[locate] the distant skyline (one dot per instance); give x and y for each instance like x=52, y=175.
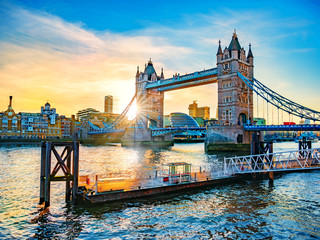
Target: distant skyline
x=74, y=53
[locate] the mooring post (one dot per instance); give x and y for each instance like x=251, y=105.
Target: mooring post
x=68, y=185
x=271, y=178
x=75, y=171
x=47, y=174
x=42, y=171
x=96, y=184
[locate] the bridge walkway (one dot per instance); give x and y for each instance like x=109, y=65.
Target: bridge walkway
x=308, y=159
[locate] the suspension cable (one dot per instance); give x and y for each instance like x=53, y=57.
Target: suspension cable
x=280, y=101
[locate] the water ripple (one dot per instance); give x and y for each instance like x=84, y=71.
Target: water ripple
x=249, y=210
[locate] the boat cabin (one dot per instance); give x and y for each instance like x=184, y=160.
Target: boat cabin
x=177, y=172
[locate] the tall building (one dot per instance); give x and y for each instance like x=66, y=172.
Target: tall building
x=199, y=112
x=150, y=101
x=108, y=104
x=84, y=114
x=235, y=99
x=34, y=125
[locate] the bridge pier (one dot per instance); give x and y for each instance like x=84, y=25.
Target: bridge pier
x=142, y=137
x=227, y=138
x=271, y=178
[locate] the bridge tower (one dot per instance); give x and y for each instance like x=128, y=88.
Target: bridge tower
x=235, y=99
x=149, y=101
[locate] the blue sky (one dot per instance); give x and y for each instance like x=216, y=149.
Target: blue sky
x=73, y=53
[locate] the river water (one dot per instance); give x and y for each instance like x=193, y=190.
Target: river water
x=250, y=210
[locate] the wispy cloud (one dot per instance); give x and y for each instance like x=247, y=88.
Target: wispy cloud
x=43, y=57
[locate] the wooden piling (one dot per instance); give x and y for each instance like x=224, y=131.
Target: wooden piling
x=47, y=174
x=271, y=178
x=67, y=163
x=68, y=184
x=42, y=172
x=75, y=172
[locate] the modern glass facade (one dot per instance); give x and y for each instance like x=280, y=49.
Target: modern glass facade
x=182, y=120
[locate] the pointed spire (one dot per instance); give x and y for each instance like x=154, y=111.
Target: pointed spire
x=219, y=48
x=10, y=102
x=234, y=44
x=250, y=55
x=162, y=75
x=150, y=62
x=235, y=34
x=138, y=73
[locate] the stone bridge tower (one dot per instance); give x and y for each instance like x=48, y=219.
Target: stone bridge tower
x=235, y=99
x=149, y=101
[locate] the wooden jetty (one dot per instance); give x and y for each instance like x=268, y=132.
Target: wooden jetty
x=178, y=176
x=234, y=170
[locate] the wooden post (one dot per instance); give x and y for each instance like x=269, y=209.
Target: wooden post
x=42, y=172
x=96, y=191
x=271, y=178
x=47, y=174
x=75, y=171
x=68, y=186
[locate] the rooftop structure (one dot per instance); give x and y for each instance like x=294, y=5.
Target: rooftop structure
x=182, y=120
x=82, y=114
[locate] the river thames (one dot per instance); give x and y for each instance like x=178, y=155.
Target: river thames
x=249, y=210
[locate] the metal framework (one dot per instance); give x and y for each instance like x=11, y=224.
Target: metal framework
x=305, y=127
x=112, y=127
x=273, y=162
x=279, y=101
x=187, y=80
x=67, y=164
x=121, y=116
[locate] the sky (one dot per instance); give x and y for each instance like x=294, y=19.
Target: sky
x=73, y=53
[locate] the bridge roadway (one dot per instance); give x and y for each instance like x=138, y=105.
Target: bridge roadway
x=252, y=128
x=162, y=131
x=185, y=81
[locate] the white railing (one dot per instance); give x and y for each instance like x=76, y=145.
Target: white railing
x=281, y=161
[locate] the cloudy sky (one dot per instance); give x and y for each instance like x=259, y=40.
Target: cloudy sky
x=73, y=53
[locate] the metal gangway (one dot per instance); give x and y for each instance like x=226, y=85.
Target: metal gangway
x=273, y=162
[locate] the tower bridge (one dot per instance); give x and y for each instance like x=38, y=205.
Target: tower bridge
x=236, y=85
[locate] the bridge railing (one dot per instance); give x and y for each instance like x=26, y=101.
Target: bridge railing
x=271, y=162
x=163, y=131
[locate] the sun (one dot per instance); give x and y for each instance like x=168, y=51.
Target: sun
x=132, y=111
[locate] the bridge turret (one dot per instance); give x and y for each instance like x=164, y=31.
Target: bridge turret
x=219, y=58
x=150, y=101
x=162, y=75
x=250, y=61
x=234, y=49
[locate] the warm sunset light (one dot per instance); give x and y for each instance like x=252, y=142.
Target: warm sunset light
x=65, y=60
x=159, y=119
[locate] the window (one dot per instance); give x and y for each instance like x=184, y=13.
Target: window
x=4, y=121
x=14, y=122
